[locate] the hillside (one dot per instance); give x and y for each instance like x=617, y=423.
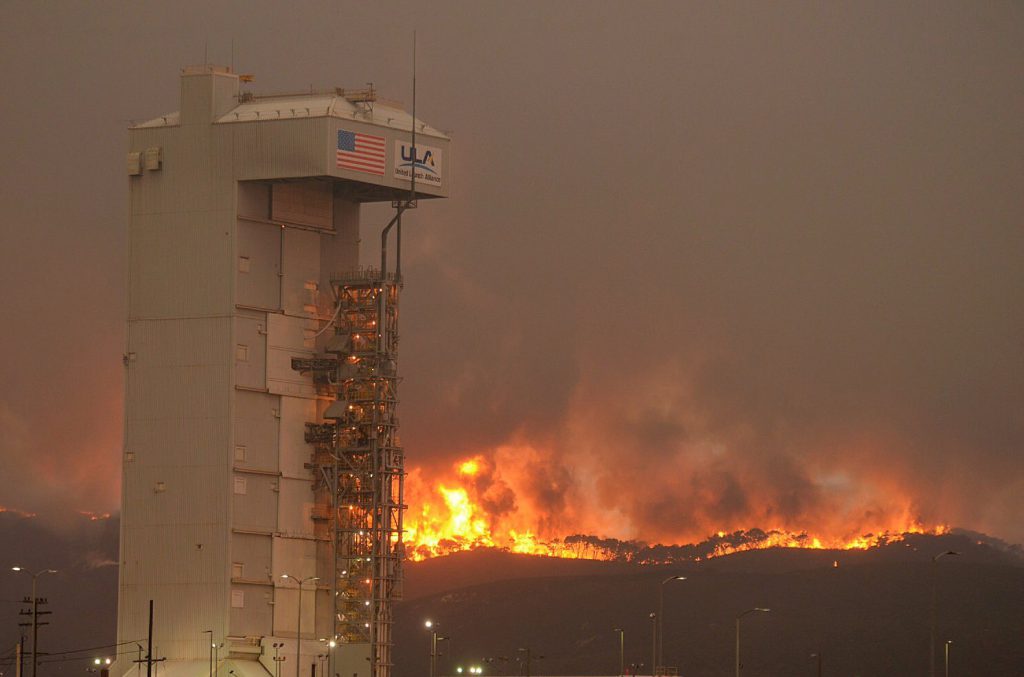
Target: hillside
x=868, y=615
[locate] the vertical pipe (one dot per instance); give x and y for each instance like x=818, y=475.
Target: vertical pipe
x=149, y=643
x=335, y=508
x=398, y=249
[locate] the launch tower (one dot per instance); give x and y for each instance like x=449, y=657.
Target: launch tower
x=262, y=487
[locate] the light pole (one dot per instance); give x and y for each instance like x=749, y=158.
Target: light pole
x=948, y=642
x=35, y=612
x=654, y=643
x=298, y=626
x=277, y=658
x=429, y=625
x=818, y=656
x=210, y=632
x=622, y=650
x=216, y=656
x=331, y=644
x=434, y=639
x=748, y=611
x=931, y=644
x=529, y=658
x=661, y=619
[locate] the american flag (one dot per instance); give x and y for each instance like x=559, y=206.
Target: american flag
x=361, y=152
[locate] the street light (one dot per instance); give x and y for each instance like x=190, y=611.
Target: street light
x=661, y=620
x=35, y=611
x=818, y=656
x=216, y=656
x=948, y=642
x=622, y=650
x=654, y=642
x=429, y=625
x=434, y=639
x=278, y=658
x=748, y=611
x=931, y=645
x=331, y=645
x=298, y=626
x=529, y=658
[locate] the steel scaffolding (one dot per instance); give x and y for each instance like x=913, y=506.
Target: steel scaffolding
x=357, y=462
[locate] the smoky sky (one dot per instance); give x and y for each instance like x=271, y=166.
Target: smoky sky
x=726, y=264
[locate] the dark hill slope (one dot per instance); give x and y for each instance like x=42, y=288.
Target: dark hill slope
x=868, y=616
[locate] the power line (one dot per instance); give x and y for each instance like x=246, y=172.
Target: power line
x=95, y=648
x=63, y=656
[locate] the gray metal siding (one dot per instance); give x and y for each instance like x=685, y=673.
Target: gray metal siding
x=258, y=268
x=255, y=618
x=256, y=509
x=301, y=270
x=277, y=149
x=254, y=553
x=168, y=249
x=256, y=430
x=251, y=349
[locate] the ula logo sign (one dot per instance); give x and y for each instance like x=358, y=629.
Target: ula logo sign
x=425, y=161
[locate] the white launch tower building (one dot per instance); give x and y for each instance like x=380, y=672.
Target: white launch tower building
x=262, y=492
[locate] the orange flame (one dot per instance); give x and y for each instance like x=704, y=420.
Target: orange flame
x=15, y=511
x=94, y=516
x=471, y=509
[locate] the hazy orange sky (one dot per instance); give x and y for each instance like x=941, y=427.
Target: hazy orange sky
x=705, y=265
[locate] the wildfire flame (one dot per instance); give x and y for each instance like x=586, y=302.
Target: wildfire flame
x=470, y=509
x=15, y=511
x=94, y=516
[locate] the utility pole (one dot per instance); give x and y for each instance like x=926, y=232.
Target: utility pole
x=35, y=612
x=149, y=660
x=20, y=651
